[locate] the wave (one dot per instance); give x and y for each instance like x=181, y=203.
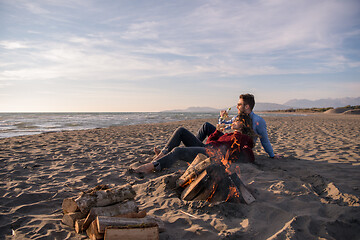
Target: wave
x=18, y=124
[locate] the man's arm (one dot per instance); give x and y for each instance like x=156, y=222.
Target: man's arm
x=264, y=139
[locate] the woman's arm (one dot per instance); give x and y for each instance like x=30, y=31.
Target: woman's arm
x=214, y=136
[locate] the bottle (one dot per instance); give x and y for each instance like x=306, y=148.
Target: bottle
x=226, y=114
x=227, y=126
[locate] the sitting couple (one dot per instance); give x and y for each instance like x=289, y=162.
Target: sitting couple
x=237, y=145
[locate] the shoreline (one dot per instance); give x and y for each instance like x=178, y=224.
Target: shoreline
x=34, y=129
x=316, y=182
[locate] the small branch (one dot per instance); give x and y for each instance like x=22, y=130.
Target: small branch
x=188, y=214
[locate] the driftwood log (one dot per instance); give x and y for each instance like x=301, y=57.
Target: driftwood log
x=146, y=231
x=192, y=172
x=112, y=210
x=104, y=222
x=99, y=198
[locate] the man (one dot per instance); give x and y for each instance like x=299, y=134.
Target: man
x=245, y=104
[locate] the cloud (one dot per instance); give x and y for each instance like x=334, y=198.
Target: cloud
x=35, y=8
x=11, y=45
x=122, y=45
x=144, y=30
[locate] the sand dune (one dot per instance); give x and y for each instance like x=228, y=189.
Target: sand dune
x=311, y=193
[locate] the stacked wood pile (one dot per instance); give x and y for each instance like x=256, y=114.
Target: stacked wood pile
x=107, y=213
x=207, y=179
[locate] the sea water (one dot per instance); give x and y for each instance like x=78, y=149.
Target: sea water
x=19, y=124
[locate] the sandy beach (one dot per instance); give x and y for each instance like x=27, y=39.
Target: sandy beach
x=311, y=193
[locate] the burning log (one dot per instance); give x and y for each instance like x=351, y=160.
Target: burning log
x=212, y=185
x=218, y=187
x=98, y=199
x=112, y=210
x=195, y=187
x=192, y=171
x=246, y=195
x=199, y=158
x=215, y=184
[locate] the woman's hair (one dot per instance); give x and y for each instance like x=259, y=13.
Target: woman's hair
x=246, y=128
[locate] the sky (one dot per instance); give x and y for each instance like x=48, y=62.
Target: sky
x=145, y=55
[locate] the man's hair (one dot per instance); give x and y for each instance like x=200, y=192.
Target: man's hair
x=248, y=100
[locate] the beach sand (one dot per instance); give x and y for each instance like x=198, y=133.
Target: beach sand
x=311, y=193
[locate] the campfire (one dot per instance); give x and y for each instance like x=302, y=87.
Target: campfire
x=210, y=179
x=110, y=213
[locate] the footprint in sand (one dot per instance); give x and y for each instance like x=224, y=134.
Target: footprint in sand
x=329, y=193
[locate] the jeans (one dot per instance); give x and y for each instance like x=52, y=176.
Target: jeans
x=206, y=130
x=193, y=146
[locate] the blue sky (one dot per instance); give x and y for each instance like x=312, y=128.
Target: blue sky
x=113, y=55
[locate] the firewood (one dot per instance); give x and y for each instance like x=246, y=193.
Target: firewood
x=192, y=171
x=69, y=205
x=70, y=218
x=214, y=187
x=103, y=198
x=246, y=195
x=104, y=222
x=93, y=233
x=147, y=231
x=140, y=214
x=195, y=187
x=79, y=225
x=199, y=158
x=112, y=210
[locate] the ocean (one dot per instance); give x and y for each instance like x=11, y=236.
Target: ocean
x=19, y=124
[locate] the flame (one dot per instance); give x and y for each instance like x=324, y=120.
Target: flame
x=188, y=182
x=214, y=187
x=233, y=193
x=218, y=156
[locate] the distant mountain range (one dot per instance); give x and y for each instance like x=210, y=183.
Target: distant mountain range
x=323, y=103
x=294, y=103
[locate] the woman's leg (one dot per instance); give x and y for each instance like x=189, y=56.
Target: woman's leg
x=178, y=153
x=181, y=135
x=206, y=130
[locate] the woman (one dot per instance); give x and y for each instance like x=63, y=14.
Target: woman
x=236, y=145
